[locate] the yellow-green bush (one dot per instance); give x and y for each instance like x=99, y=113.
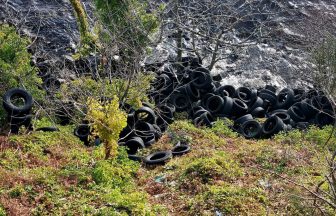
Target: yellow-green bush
x=84, y=87
x=15, y=68
x=108, y=121
x=207, y=169
x=230, y=199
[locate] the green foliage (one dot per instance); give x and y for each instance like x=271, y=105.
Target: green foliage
x=320, y=136
x=116, y=173
x=15, y=67
x=207, y=169
x=56, y=175
x=87, y=39
x=221, y=127
x=81, y=88
x=108, y=122
x=2, y=211
x=231, y=200
x=293, y=137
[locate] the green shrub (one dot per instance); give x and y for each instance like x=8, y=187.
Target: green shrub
x=208, y=169
x=319, y=136
x=221, y=127
x=2, y=211
x=15, y=67
x=117, y=172
x=231, y=200
x=84, y=87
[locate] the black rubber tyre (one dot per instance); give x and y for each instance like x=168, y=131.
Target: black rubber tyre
x=192, y=112
x=135, y=158
x=246, y=95
x=145, y=114
x=19, y=93
x=157, y=158
x=243, y=119
x=166, y=113
x=149, y=139
x=325, y=117
x=47, y=129
x=228, y=105
x=325, y=102
x=299, y=95
x=82, y=131
x=193, y=92
x=239, y=108
x=285, y=117
x=258, y=102
x=258, y=112
x=201, y=78
x=222, y=92
x=302, y=125
x=158, y=132
x=162, y=82
x=134, y=144
x=251, y=129
x=229, y=89
x=180, y=101
x=271, y=88
x=21, y=120
x=238, y=122
x=200, y=110
x=268, y=97
x=205, y=119
x=163, y=124
x=310, y=107
x=296, y=113
x=180, y=150
x=142, y=128
x=205, y=97
x=272, y=125
x=285, y=98
x=215, y=104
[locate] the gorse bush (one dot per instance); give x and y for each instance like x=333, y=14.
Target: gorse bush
x=108, y=122
x=15, y=68
x=84, y=87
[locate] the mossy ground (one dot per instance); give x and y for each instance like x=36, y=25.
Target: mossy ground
x=54, y=174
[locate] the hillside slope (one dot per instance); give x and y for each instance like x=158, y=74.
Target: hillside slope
x=223, y=174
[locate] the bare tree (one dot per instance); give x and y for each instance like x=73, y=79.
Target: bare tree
x=212, y=26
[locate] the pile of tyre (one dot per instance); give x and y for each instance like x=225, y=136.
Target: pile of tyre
x=18, y=104
x=144, y=127
x=190, y=88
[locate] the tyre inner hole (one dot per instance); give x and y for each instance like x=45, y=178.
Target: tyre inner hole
x=158, y=156
x=17, y=101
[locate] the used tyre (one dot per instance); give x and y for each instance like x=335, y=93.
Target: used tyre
x=47, y=129
x=145, y=114
x=285, y=98
x=215, y=104
x=239, y=108
x=296, y=113
x=134, y=144
x=180, y=150
x=17, y=95
x=156, y=158
x=251, y=129
x=272, y=125
x=258, y=112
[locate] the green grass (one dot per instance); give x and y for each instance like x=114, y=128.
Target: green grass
x=53, y=173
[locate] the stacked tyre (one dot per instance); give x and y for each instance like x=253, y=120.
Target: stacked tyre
x=18, y=104
x=190, y=88
x=144, y=127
